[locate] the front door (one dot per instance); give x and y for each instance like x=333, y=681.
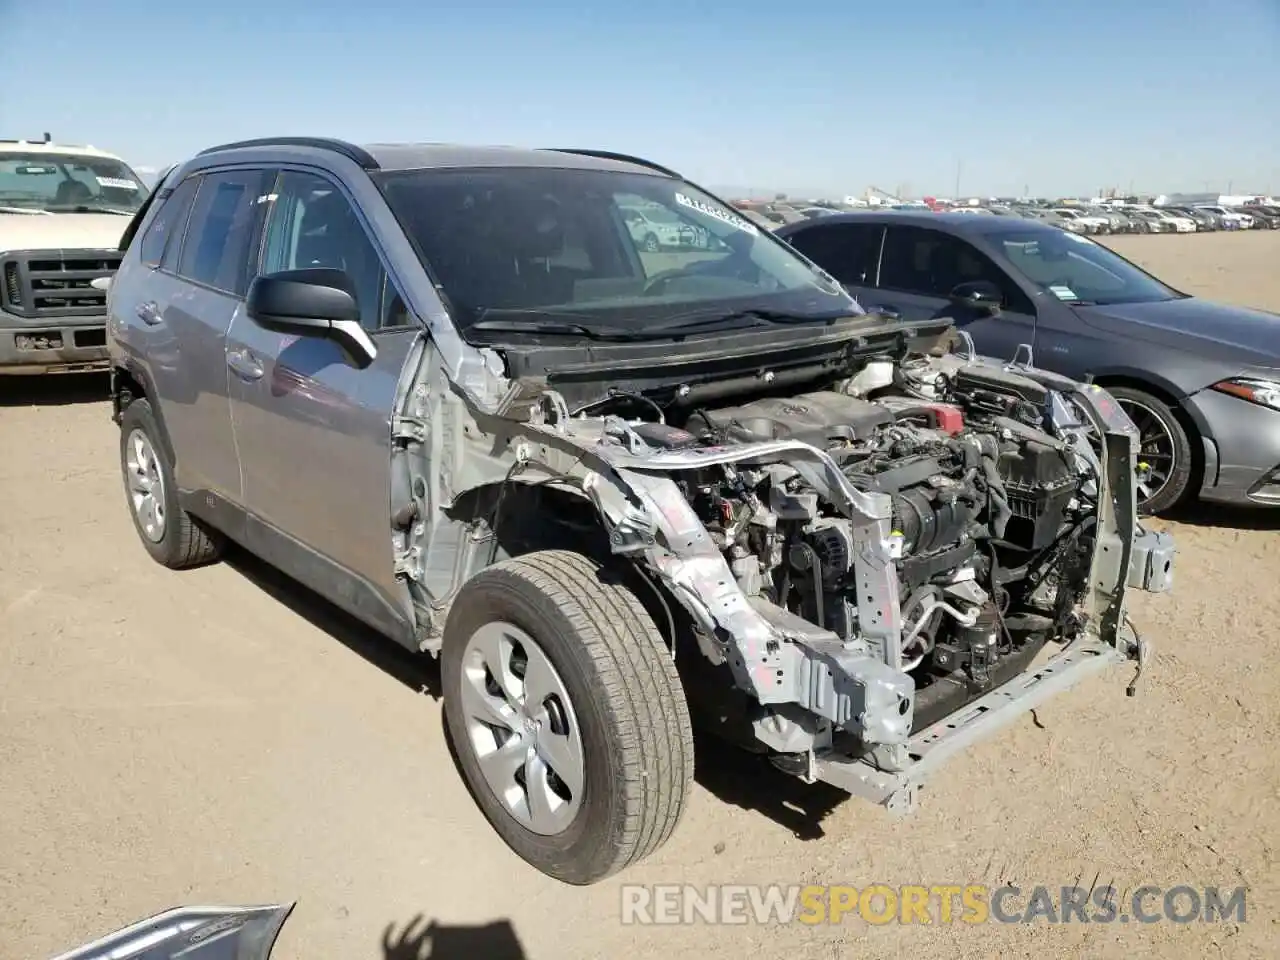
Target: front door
x=313, y=430
x=919, y=267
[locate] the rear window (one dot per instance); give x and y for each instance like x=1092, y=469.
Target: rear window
x=216, y=249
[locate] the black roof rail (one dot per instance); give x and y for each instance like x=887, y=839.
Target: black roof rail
x=349, y=150
x=620, y=157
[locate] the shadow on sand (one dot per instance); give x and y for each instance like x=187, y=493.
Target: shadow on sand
x=417, y=671
x=54, y=390
x=1227, y=517
x=419, y=940
x=727, y=772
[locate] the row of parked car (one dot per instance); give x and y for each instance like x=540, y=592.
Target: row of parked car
x=1085, y=220
x=1154, y=219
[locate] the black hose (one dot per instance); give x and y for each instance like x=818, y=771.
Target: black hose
x=998, y=502
x=497, y=508
x=614, y=394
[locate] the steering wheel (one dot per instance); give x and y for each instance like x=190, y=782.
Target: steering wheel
x=658, y=282
x=735, y=267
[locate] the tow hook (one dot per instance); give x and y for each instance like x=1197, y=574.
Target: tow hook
x=1140, y=651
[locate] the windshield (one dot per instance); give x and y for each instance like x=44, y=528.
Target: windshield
x=1078, y=270
x=599, y=249
x=68, y=183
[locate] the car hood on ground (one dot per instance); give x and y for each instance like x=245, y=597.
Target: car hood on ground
x=1211, y=331
x=66, y=231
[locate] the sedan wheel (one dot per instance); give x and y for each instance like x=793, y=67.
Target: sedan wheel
x=1164, y=450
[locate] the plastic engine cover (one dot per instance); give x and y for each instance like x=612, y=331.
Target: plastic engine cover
x=818, y=418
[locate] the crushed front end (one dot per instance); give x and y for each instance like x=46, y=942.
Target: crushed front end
x=895, y=565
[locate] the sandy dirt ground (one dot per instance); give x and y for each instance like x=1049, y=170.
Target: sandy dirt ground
x=223, y=736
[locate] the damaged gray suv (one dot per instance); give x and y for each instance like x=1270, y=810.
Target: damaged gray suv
x=620, y=492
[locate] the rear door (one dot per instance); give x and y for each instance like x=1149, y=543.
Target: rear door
x=312, y=429
x=195, y=252
x=920, y=266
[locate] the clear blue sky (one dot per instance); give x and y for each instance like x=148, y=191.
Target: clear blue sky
x=1061, y=97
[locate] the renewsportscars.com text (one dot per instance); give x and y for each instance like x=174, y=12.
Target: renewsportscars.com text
x=928, y=904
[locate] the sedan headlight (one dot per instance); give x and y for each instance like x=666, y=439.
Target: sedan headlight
x=1265, y=393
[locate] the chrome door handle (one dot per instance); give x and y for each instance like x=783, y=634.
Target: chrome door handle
x=149, y=313
x=245, y=365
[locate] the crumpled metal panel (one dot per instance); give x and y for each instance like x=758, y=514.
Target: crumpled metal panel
x=192, y=933
x=1151, y=567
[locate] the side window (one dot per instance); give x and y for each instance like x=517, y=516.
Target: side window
x=931, y=264
x=169, y=222
x=312, y=224
x=1064, y=273
x=216, y=249
x=395, y=312
x=847, y=251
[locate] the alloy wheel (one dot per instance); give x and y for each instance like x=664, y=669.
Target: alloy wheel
x=1155, y=449
x=146, y=485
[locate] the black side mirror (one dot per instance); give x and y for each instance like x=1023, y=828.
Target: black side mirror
x=317, y=302
x=978, y=295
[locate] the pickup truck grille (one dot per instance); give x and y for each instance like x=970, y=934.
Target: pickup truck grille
x=56, y=283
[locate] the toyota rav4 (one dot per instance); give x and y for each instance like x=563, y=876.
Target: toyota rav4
x=618, y=491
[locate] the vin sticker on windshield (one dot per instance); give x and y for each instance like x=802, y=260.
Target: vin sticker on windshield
x=1063, y=293
x=116, y=183
x=724, y=216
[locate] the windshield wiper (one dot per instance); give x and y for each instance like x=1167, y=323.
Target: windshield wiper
x=86, y=208
x=554, y=328
x=29, y=210
x=546, y=322
x=741, y=319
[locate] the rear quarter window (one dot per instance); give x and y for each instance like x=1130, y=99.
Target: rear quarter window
x=170, y=220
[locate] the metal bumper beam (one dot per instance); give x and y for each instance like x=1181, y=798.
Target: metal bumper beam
x=932, y=747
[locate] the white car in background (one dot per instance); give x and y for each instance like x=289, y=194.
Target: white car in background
x=1172, y=222
x=1180, y=223
x=1091, y=224
x=652, y=233
x=1233, y=219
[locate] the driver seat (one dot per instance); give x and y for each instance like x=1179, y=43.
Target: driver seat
x=71, y=192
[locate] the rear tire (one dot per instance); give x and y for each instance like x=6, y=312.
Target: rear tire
x=1163, y=436
x=173, y=537
x=625, y=714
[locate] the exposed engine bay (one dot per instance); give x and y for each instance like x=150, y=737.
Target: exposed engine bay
x=868, y=561
x=902, y=543
x=991, y=522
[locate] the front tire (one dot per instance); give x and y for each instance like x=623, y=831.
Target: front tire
x=173, y=537
x=569, y=722
x=1164, y=446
